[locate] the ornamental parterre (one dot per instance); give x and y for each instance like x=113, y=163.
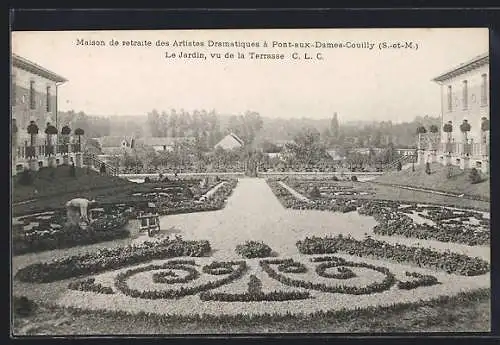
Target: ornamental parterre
x=444, y=224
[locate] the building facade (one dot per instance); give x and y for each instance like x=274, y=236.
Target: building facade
x=33, y=98
x=465, y=113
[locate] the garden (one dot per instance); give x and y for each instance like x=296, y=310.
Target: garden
x=251, y=266
x=47, y=228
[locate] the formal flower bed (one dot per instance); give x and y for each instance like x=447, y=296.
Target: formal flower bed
x=327, y=189
x=395, y=221
x=253, y=249
x=53, y=233
x=110, y=259
x=215, y=202
x=422, y=257
x=387, y=282
x=254, y=294
x=450, y=225
x=185, y=265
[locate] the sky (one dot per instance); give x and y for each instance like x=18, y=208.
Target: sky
x=357, y=83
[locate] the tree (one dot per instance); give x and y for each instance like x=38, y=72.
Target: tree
x=335, y=128
x=433, y=129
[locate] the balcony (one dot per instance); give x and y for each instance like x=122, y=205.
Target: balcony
x=467, y=149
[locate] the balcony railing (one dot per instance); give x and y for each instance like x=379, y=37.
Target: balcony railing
x=49, y=150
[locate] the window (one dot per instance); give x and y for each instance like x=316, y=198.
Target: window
x=32, y=95
x=450, y=102
x=465, y=95
x=484, y=89
x=48, y=98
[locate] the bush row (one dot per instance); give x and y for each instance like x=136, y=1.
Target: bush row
x=110, y=259
x=423, y=257
x=40, y=238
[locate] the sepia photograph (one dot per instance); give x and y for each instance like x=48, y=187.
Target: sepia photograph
x=250, y=181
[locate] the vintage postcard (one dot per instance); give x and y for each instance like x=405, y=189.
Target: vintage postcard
x=250, y=181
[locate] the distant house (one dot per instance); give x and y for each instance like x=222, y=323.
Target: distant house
x=230, y=142
x=115, y=145
x=111, y=145
x=334, y=154
x=163, y=143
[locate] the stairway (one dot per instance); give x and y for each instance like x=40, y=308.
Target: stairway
x=95, y=163
x=406, y=162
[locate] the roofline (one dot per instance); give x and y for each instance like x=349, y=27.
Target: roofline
x=237, y=138
x=27, y=65
x=474, y=63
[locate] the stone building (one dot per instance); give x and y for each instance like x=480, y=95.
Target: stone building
x=465, y=99
x=33, y=98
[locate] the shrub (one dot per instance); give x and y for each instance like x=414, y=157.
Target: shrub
x=253, y=249
x=23, y=306
x=354, y=178
x=428, y=168
x=314, y=192
x=109, y=259
x=475, y=176
x=147, y=179
x=449, y=262
x=26, y=178
x=335, y=178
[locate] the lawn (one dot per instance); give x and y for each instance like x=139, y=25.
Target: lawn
x=471, y=314
x=379, y=191
x=456, y=182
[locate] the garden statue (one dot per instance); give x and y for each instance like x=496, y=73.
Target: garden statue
x=77, y=210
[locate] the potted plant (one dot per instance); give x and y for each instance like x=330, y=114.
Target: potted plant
x=465, y=129
x=485, y=128
x=31, y=150
x=420, y=130
x=485, y=124
x=79, y=132
x=65, y=133
x=448, y=129
x=434, y=137
x=50, y=131
x=78, y=156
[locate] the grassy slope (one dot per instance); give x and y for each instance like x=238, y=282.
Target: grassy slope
x=55, y=181
x=459, y=183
